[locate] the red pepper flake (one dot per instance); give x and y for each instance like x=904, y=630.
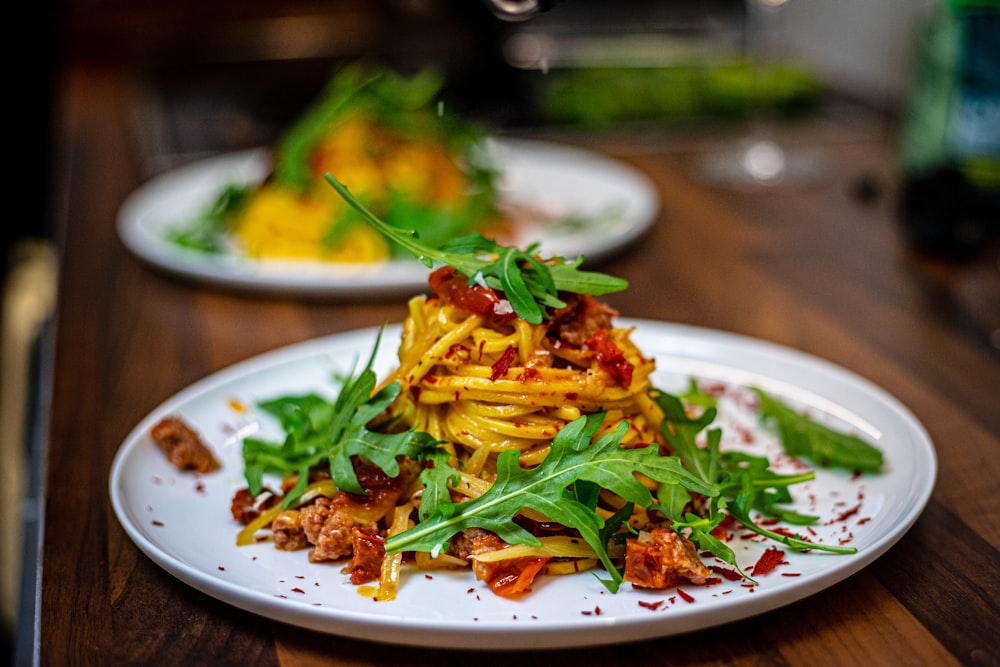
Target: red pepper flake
x=791, y=574
x=685, y=596
x=651, y=605
x=502, y=364
x=844, y=516
x=157, y=523
x=864, y=520
x=727, y=573
x=768, y=560
x=222, y=569
x=298, y=590
x=427, y=576
x=471, y=590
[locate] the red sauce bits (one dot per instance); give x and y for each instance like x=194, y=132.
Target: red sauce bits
x=183, y=447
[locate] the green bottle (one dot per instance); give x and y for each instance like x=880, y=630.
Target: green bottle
x=950, y=137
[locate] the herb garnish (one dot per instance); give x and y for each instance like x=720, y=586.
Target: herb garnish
x=317, y=430
x=573, y=457
x=817, y=442
x=530, y=284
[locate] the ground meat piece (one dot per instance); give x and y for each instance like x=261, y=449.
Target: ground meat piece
x=579, y=319
x=328, y=528
x=661, y=558
x=184, y=447
x=369, y=551
x=246, y=507
x=474, y=541
x=289, y=534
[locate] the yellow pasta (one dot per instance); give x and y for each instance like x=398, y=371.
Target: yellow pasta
x=492, y=388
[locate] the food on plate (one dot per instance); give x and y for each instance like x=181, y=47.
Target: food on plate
x=184, y=447
x=408, y=159
x=520, y=436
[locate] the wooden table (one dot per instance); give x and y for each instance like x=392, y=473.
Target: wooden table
x=819, y=268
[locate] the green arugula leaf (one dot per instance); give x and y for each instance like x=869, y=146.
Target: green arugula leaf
x=318, y=430
x=824, y=446
x=207, y=232
x=573, y=456
x=437, y=476
x=740, y=508
x=528, y=283
x=746, y=483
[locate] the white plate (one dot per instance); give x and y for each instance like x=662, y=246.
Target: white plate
x=182, y=521
x=560, y=180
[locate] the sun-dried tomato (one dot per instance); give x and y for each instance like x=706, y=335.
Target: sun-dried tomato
x=610, y=357
x=452, y=287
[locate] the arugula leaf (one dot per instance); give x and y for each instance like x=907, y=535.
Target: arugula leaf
x=530, y=284
x=437, y=476
x=824, y=446
x=573, y=456
x=318, y=430
x=207, y=232
x=740, y=508
x=745, y=483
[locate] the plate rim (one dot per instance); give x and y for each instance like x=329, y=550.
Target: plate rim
x=485, y=635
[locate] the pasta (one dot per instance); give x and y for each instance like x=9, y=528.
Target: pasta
x=487, y=389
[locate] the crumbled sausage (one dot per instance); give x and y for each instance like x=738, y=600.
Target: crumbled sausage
x=328, y=528
x=289, y=534
x=579, y=319
x=184, y=447
x=246, y=507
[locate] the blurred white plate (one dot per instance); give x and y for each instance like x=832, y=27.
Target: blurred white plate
x=182, y=521
x=611, y=204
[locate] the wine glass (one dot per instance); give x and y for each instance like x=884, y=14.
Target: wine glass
x=760, y=159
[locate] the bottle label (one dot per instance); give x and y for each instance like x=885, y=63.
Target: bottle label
x=974, y=129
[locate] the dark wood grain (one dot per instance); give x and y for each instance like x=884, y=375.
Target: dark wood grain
x=818, y=268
